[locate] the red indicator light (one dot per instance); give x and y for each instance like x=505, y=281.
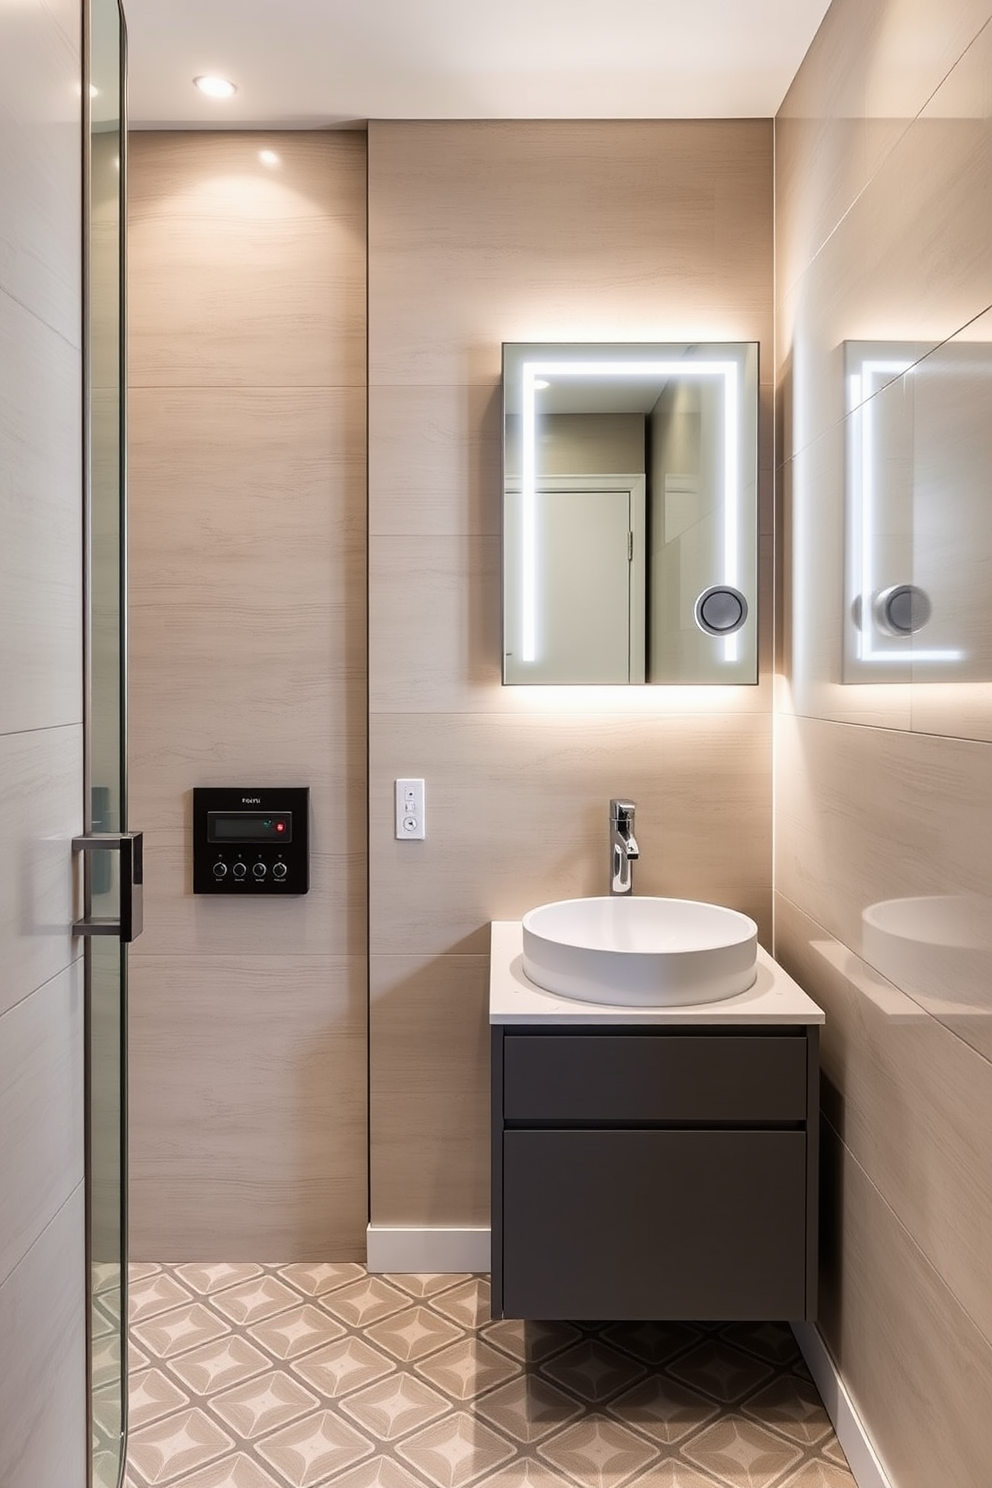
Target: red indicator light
x=280, y=826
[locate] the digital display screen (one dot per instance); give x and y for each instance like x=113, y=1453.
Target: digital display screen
x=249, y=826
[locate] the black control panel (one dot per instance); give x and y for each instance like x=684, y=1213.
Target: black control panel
x=250, y=840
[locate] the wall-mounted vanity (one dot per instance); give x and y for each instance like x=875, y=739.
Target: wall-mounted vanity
x=630, y=513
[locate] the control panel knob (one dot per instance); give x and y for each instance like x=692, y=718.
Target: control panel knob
x=279, y=871
x=259, y=870
x=239, y=870
x=220, y=870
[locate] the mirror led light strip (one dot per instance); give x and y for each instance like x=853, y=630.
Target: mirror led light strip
x=861, y=389
x=533, y=377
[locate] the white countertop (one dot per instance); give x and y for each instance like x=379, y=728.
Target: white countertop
x=513, y=998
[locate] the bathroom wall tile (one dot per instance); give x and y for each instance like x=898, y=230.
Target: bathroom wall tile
x=868, y=819
x=245, y=275
x=41, y=1110
x=248, y=1107
x=451, y=660
x=40, y=512
x=917, y=1368
x=429, y=1115
x=42, y=774
x=328, y=921
x=914, y=1104
x=39, y=162
x=487, y=232
x=43, y=1356
x=435, y=465
x=517, y=815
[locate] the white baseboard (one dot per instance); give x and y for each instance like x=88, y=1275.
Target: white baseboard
x=861, y=1455
x=413, y=1249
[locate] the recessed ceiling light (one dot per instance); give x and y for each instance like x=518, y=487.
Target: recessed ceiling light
x=215, y=87
x=268, y=157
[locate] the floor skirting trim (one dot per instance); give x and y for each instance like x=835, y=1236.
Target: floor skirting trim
x=418, y=1249
x=861, y=1455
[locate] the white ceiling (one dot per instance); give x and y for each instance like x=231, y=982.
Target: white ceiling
x=308, y=63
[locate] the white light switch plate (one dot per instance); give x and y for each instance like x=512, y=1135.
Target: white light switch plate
x=410, y=822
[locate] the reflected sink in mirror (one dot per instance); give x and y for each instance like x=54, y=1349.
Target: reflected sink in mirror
x=936, y=947
x=640, y=952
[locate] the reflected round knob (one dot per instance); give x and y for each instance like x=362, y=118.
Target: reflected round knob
x=220, y=870
x=239, y=870
x=259, y=870
x=279, y=871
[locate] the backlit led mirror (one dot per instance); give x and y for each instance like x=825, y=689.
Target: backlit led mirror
x=918, y=519
x=630, y=513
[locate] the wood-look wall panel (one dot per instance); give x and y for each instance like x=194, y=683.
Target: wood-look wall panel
x=900, y=1084
x=41, y=517
x=329, y=921
x=41, y=1110
x=248, y=667
x=247, y=1107
x=503, y=231
x=250, y=275
x=518, y=814
x=42, y=775
x=436, y=463
x=429, y=1115
x=39, y=164
x=43, y=1437
x=918, y=1370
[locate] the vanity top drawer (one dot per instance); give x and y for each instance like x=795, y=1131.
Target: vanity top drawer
x=586, y=1078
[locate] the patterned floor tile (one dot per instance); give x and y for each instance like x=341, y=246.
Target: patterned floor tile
x=176, y=1445
x=312, y=1449
x=427, y=1283
x=721, y=1371
x=599, y=1453
x=358, y=1381
x=295, y=1332
x=467, y=1368
x=740, y=1452
x=413, y=1333
x=593, y=1371
x=528, y=1409
x=263, y=1404
x=395, y=1406
x=455, y=1450
x=663, y=1409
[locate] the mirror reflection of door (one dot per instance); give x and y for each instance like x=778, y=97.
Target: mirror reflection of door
x=587, y=579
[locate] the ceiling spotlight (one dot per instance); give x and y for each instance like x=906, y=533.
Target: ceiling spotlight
x=268, y=157
x=215, y=87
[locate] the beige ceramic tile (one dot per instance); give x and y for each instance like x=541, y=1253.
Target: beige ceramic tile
x=884, y=838
x=915, y=1104
x=40, y=146
x=435, y=459
x=248, y=1107
x=242, y=275
x=485, y=232
x=517, y=812
x=40, y=512
x=429, y=1090
x=915, y=1365
x=43, y=1356
x=43, y=789
x=41, y=1110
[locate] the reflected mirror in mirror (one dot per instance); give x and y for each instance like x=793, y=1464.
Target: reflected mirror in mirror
x=918, y=522
x=630, y=513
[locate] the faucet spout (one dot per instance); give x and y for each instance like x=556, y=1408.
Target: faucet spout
x=623, y=847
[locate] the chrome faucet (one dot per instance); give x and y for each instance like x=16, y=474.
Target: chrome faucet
x=623, y=847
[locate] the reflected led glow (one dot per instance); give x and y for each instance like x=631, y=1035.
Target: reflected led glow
x=535, y=378
x=215, y=87
x=268, y=157
x=871, y=376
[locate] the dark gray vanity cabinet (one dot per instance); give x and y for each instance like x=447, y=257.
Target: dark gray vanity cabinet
x=654, y=1172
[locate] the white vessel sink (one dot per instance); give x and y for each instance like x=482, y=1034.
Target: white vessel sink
x=640, y=952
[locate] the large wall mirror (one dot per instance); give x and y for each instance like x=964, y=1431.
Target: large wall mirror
x=630, y=513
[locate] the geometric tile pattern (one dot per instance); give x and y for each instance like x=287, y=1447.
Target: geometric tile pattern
x=251, y=1376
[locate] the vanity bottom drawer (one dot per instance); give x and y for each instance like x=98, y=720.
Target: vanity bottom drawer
x=654, y=1224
